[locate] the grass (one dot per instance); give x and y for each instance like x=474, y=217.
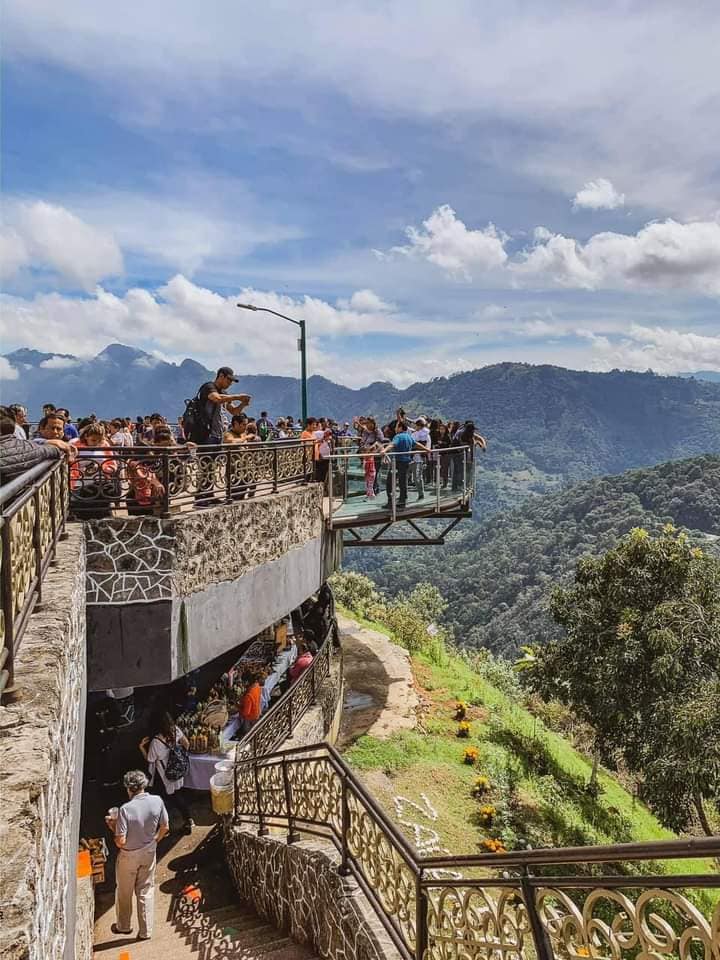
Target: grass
x=538, y=780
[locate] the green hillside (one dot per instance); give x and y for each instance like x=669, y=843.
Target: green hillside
x=537, y=782
x=495, y=575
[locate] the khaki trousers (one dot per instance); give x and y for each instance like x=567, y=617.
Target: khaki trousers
x=135, y=873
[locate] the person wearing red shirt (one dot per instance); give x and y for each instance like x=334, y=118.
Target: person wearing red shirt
x=249, y=708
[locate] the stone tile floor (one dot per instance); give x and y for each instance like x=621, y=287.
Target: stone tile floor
x=205, y=923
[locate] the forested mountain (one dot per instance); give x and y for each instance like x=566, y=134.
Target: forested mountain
x=545, y=425
x=496, y=574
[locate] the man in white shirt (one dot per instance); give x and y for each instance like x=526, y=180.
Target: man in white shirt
x=421, y=435
x=138, y=826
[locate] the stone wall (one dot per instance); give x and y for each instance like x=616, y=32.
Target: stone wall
x=297, y=887
x=41, y=769
x=85, y=919
x=144, y=559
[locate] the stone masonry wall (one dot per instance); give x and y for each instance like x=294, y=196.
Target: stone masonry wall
x=85, y=914
x=41, y=769
x=298, y=888
x=144, y=559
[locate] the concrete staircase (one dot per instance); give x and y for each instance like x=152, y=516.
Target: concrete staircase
x=197, y=915
x=234, y=931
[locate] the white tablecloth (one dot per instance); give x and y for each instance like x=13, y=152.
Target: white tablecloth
x=202, y=765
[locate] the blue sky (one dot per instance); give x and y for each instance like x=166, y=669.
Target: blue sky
x=431, y=186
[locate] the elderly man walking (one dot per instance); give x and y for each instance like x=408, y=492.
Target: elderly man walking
x=138, y=826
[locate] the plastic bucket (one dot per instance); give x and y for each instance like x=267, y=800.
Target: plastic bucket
x=221, y=795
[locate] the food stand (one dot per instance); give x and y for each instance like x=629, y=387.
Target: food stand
x=213, y=724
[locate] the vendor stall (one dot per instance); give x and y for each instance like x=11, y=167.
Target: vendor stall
x=202, y=765
x=210, y=736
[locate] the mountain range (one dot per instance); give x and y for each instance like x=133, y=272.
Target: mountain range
x=545, y=425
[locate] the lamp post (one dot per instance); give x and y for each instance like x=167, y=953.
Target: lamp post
x=302, y=346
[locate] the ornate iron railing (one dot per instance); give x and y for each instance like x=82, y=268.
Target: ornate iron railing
x=34, y=510
x=278, y=723
x=154, y=480
x=510, y=906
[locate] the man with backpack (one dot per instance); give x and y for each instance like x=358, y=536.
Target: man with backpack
x=203, y=424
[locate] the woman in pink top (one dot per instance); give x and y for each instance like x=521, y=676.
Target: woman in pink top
x=305, y=658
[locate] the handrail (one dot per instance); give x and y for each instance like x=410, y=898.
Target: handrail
x=441, y=461
x=277, y=723
x=432, y=908
x=34, y=509
x=146, y=480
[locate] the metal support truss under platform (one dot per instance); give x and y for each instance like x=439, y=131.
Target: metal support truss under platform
x=360, y=535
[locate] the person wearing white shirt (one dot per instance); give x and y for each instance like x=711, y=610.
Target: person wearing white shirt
x=421, y=435
x=157, y=750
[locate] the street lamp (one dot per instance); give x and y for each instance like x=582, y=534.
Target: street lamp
x=302, y=346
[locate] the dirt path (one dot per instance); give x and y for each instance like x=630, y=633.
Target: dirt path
x=379, y=694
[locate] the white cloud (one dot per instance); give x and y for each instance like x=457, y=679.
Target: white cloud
x=365, y=301
x=656, y=348
x=59, y=363
x=187, y=222
x=445, y=241
x=13, y=253
x=662, y=255
x=182, y=319
x=647, y=112
x=47, y=236
x=7, y=371
x=666, y=255
x=598, y=194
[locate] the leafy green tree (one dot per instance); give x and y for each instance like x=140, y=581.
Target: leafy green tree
x=639, y=659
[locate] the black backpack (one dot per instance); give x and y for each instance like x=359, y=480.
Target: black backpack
x=195, y=422
x=177, y=763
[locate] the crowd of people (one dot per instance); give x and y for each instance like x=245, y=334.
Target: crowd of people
x=103, y=471
x=139, y=824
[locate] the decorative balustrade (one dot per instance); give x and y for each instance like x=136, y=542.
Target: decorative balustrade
x=278, y=723
x=529, y=905
x=160, y=480
x=34, y=510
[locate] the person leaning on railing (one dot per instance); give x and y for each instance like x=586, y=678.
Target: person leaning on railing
x=94, y=475
x=465, y=436
x=17, y=456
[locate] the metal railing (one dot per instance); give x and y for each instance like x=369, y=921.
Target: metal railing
x=161, y=480
x=360, y=483
x=504, y=906
x=278, y=723
x=34, y=510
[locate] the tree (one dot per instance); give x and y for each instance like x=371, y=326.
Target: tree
x=639, y=659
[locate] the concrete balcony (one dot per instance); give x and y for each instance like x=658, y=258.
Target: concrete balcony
x=168, y=594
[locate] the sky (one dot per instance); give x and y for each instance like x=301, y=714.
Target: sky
x=431, y=186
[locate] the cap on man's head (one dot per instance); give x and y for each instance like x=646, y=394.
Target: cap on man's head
x=420, y=422
x=227, y=372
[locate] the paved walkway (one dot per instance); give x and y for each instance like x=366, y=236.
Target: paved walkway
x=204, y=923
x=380, y=697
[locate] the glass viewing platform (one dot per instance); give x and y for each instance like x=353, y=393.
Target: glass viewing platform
x=367, y=490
